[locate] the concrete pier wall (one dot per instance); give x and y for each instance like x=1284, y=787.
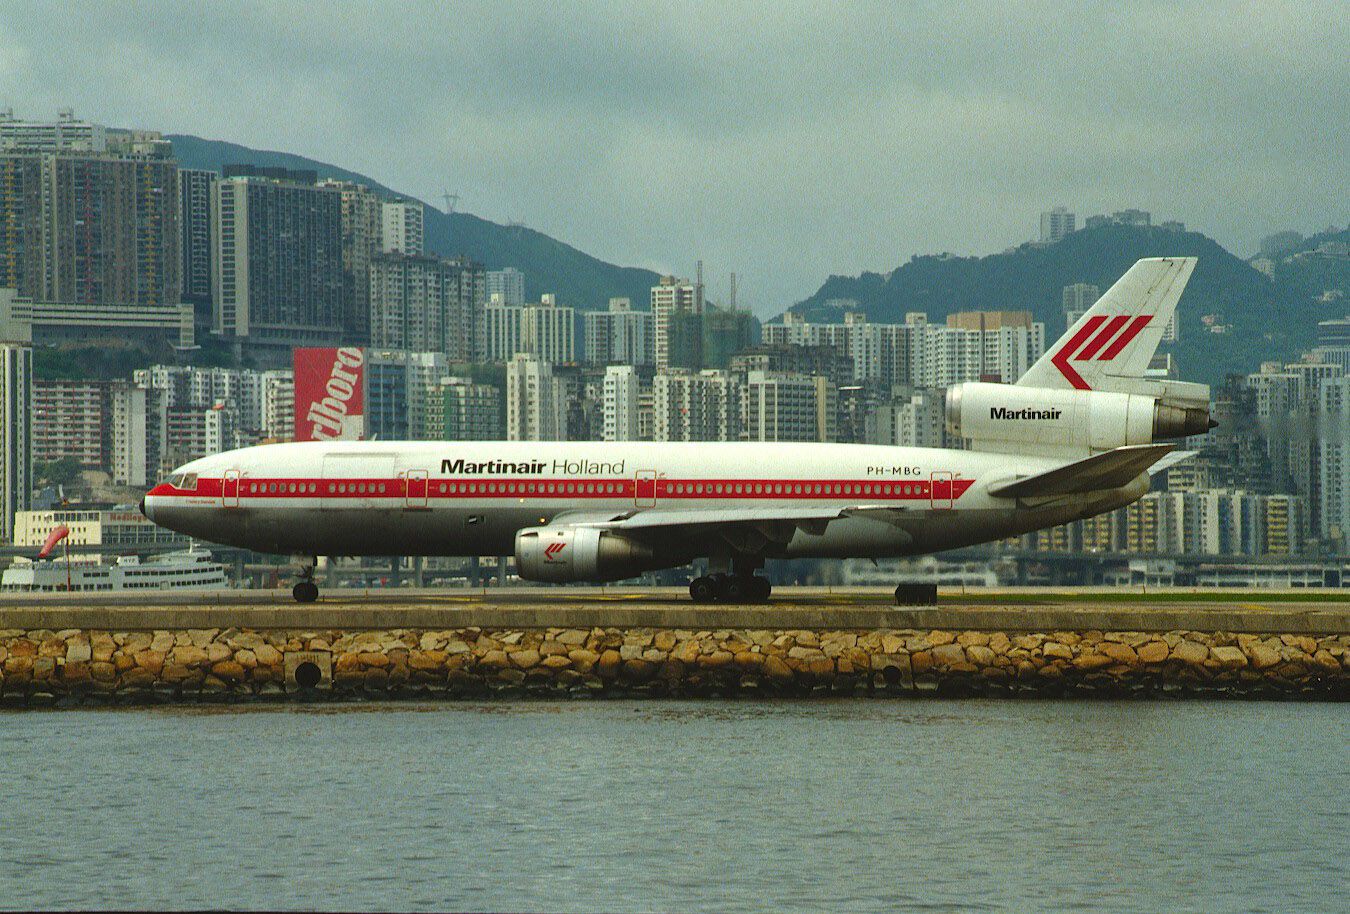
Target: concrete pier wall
x=78, y=665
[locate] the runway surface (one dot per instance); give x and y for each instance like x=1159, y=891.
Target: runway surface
x=791, y=607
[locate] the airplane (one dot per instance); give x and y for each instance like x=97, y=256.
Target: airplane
x=1076, y=436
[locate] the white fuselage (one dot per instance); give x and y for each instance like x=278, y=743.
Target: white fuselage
x=471, y=498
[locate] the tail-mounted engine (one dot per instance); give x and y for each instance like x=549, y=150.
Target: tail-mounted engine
x=565, y=554
x=1039, y=420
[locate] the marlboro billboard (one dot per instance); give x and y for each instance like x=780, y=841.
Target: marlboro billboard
x=329, y=394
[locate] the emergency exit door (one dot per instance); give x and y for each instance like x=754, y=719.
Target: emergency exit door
x=940, y=490
x=644, y=489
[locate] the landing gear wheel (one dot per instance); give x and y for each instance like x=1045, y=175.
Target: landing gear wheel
x=760, y=589
x=703, y=589
x=737, y=589
x=305, y=592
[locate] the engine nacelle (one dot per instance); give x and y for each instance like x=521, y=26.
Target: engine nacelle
x=1041, y=420
x=566, y=554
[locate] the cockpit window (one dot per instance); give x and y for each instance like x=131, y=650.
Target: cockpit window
x=185, y=481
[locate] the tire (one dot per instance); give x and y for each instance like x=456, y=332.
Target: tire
x=761, y=590
x=737, y=589
x=703, y=589
x=305, y=592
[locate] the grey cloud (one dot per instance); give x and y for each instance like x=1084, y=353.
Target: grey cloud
x=783, y=141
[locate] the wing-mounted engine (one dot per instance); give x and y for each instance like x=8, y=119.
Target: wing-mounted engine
x=1049, y=421
x=567, y=554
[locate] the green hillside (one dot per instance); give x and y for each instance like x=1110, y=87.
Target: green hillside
x=1269, y=319
x=578, y=279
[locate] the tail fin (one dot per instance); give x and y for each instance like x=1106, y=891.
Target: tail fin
x=1110, y=346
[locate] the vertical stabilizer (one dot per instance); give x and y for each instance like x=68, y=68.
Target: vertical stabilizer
x=1110, y=347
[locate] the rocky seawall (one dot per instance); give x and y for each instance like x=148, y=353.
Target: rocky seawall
x=41, y=668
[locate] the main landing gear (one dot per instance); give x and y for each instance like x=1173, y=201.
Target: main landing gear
x=305, y=590
x=730, y=588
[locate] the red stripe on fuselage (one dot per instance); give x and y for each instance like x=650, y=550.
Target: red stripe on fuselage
x=666, y=488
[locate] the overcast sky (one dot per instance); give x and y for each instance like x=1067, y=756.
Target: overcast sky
x=785, y=142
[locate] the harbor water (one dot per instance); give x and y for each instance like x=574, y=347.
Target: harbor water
x=825, y=805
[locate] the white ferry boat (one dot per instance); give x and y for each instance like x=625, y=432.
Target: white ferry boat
x=189, y=569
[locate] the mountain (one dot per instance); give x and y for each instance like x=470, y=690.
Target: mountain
x=1267, y=319
x=549, y=265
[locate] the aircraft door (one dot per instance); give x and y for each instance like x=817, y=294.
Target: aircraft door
x=229, y=489
x=940, y=490
x=644, y=489
x=414, y=489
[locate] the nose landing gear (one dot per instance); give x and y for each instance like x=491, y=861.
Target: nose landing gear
x=305, y=590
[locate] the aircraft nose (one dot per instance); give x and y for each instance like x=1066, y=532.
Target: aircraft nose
x=143, y=506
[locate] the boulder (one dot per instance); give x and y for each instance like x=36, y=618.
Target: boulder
x=573, y=636
x=1057, y=650
x=555, y=662
x=1120, y=653
x=948, y=653
x=776, y=669
x=608, y=664
x=1191, y=652
x=583, y=659
x=496, y=659
x=1229, y=656
x=151, y=660
x=526, y=659
x=267, y=655
x=246, y=658
x=664, y=641
x=1090, y=660
x=1153, y=652
x=938, y=638
x=1262, y=656
x=373, y=659
x=980, y=655
x=893, y=644
x=162, y=641
x=966, y=639
x=227, y=670
x=79, y=651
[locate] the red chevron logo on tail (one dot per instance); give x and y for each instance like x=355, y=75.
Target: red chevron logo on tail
x=1091, y=342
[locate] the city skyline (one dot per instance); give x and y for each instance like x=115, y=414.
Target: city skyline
x=782, y=147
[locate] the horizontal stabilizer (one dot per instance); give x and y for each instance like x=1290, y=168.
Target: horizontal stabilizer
x=1109, y=470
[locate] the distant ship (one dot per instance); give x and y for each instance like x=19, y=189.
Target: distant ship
x=189, y=569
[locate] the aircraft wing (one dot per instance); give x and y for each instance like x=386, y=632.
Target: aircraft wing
x=745, y=528
x=1108, y=470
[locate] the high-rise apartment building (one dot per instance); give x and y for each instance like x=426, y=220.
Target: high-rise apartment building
x=194, y=225
x=507, y=286
x=696, y=406
x=788, y=407
x=672, y=297
x=362, y=228
x=424, y=304
x=1057, y=223
x=65, y=134
x=461, y=410
x=1077, y=299
x=277, y=274
x=619, y=403
x=546, y=331
x=402, y=228
x=73, y=419
x=90, y=228
x=726, y=332
x=618, y=335
x=534, y=410
x=1333, y=459
x=16, y=436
